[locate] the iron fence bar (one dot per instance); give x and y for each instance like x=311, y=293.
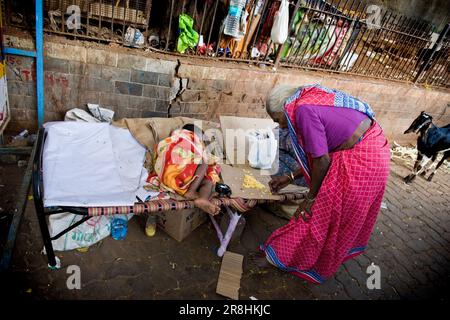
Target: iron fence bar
x=420, y=56
x=208, y=58
x=80, y=36
x=212, y=24
x=426, y=71
x=62, y=15
x=442, y=35
x=320, y=29
x=368, y=43
x=88, y=17
x=390, y=37
x=135, y=18
x=249, y=24
x=296, y=36
x=170, y=24
x=417, y=26
x=291, y=24
x=433, y=70
x=354, y=20
x=205, y=6
x=194, y=14
x=258, y=28
x=333, y=16
x=310, y=25
x=113, y=7
x=219, y=36
x=99, y=18
x=148, y=10
x=404, y=40
x=344, y=23
x=395, y=38
x=327, y=31
x=123, y=23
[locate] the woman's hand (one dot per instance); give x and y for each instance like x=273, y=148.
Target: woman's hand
x=279, y=182
x=304, y=210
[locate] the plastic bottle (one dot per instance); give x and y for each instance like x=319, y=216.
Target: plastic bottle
x=119, y=228
x=233, y=18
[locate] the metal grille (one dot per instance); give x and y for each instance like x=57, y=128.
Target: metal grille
x=344, y=36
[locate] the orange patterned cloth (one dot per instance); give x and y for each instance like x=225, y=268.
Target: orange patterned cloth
x=176, y=161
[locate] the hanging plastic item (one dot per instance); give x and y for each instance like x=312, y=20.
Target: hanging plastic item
x=280, y=26
x=188, y=37
x=134, y=38
x=234, y=26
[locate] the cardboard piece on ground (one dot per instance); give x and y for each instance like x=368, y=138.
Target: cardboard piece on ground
x=233, y=176
x=180, y=223
x=230, y=275
x=234, y=130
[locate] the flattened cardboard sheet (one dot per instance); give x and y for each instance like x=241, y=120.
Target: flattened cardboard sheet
x=230, y=275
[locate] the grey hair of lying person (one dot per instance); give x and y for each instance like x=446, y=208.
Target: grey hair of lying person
x=277, y=97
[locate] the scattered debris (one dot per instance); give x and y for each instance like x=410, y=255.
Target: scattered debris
x=409, y=155
x=22, y=163
x=230, y=275
x=251, y=183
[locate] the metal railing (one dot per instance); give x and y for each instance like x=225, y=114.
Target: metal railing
x=345, y=36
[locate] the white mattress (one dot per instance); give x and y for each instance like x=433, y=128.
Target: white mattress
x=92, y=164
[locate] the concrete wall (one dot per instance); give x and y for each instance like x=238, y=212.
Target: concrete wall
x=142, y=84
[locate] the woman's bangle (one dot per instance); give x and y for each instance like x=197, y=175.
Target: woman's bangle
x=290, y=176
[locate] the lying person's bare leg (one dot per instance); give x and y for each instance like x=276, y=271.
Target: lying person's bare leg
x=203, y=202
x=192, y=193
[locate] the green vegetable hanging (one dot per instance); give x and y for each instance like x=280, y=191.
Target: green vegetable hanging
x=188, y=37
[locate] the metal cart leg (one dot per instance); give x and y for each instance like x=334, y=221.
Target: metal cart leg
x=38, y=200
x=45, y=235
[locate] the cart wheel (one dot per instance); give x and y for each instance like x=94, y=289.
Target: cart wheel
x=57, y=266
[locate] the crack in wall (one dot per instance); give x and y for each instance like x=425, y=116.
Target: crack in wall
x=177, y=88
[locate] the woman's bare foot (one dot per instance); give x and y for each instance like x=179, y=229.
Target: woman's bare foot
x=207, y=206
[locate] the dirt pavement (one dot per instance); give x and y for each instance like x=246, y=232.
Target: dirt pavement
x=410, y=244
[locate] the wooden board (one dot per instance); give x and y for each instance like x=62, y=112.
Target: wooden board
x=233, y=176
x=230, y=275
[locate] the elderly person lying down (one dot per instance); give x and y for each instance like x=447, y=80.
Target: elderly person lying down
x=183, y=166
x=344, y=158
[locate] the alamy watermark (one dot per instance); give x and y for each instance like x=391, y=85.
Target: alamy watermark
x=373, y=19
x=74, y=279
x=374, y=280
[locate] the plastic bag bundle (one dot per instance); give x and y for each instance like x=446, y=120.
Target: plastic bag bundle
x=280, y=26
x=188, y=37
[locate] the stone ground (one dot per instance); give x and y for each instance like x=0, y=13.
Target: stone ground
x=410, y=244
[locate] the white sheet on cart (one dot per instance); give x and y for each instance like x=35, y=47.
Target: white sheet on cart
x=91, y=164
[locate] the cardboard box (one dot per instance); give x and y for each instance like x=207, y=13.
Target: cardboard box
x=179, y=224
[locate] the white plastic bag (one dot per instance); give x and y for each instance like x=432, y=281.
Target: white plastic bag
x=263, y=148
x=84, y=235
x=280, y=26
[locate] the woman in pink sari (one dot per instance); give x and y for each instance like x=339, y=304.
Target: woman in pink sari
x=344, y=156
